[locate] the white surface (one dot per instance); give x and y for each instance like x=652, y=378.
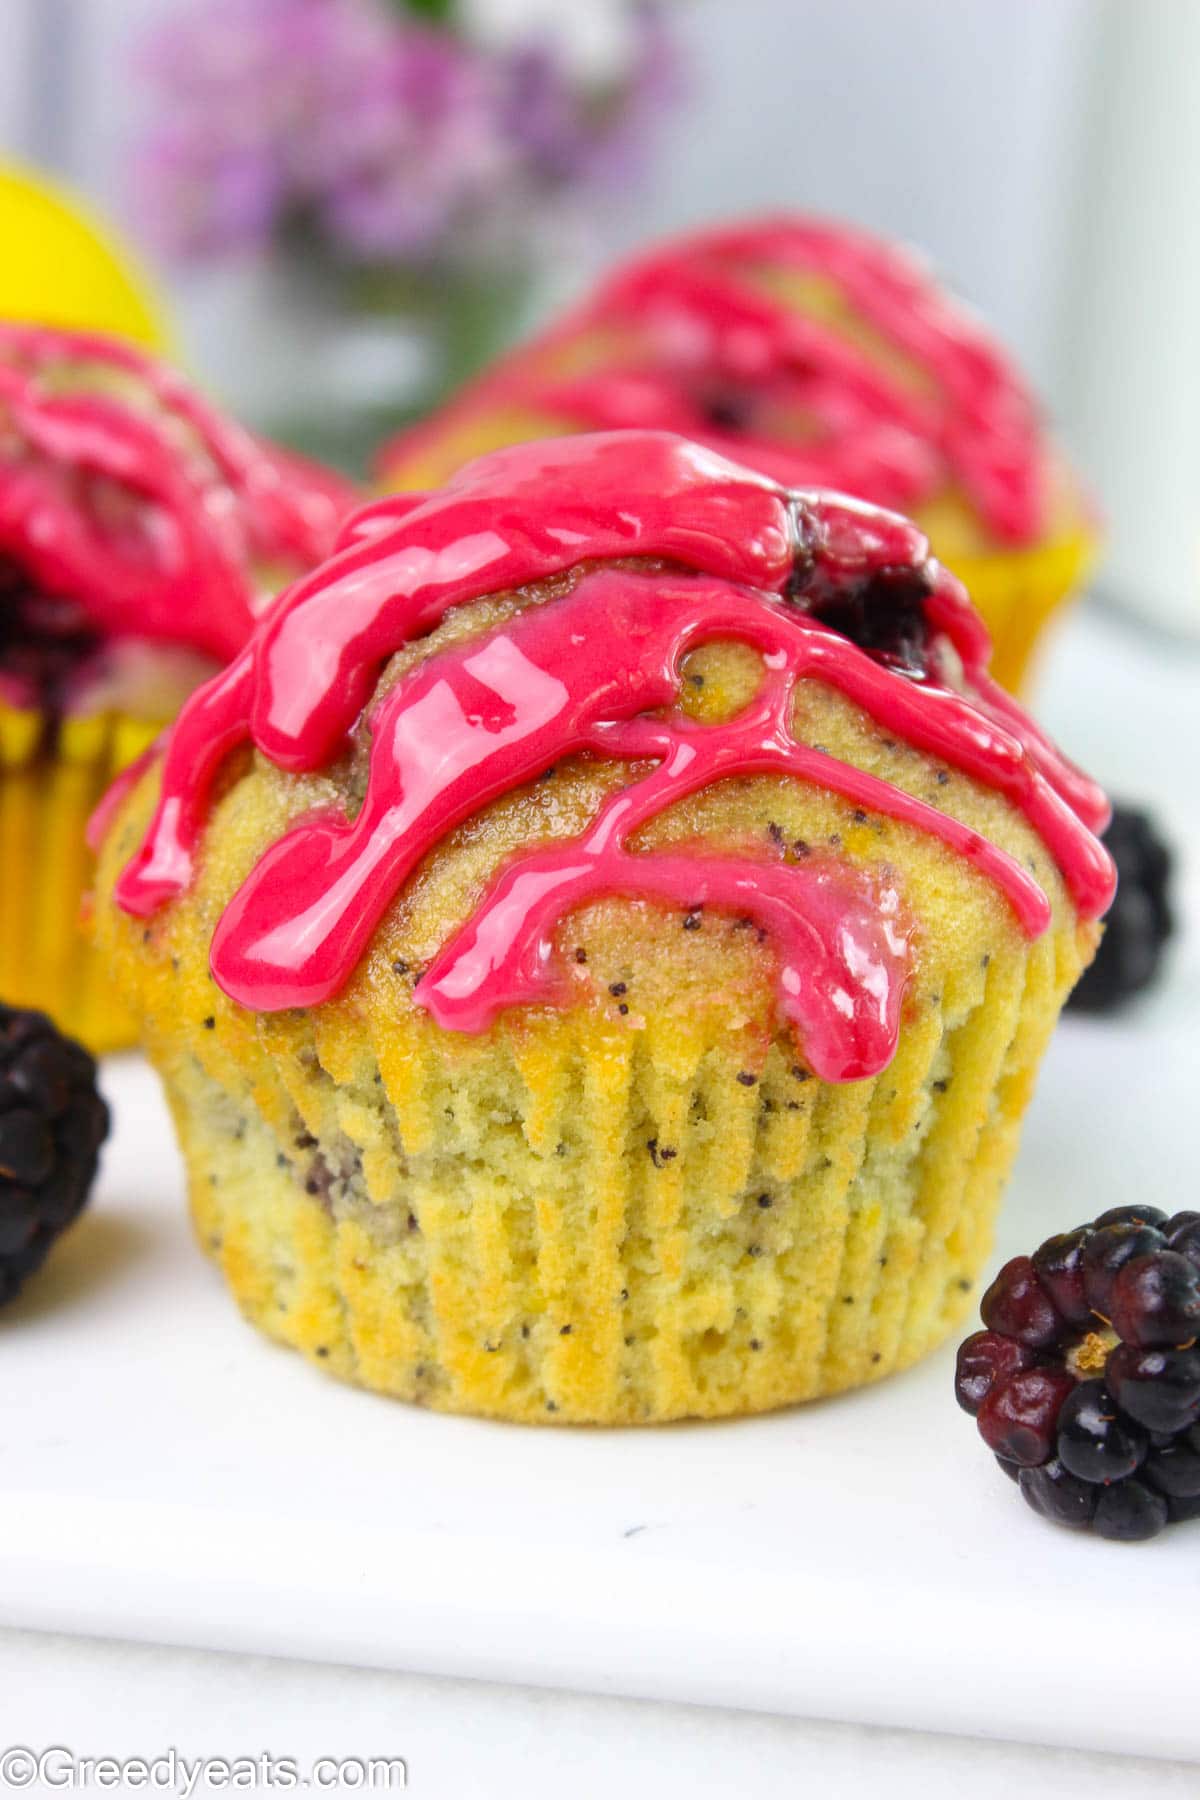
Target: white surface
x=171, y=1477
x=463, y=1740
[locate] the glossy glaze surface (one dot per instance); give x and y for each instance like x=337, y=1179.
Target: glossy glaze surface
x=712, y=337
x=597, y=670
x=129, y=503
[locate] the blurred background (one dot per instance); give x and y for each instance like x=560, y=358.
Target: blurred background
x=490, y=156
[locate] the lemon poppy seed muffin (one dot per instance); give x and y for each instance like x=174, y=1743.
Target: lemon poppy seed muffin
x=822, y=356
x=140, y=535
x=598, y=940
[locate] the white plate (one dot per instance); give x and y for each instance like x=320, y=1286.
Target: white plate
x=170, y=1476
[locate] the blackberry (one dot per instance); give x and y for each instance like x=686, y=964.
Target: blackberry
x=1105, y=1254
x=1139, y=922
x=1086, y=1381
x=1129, y=1511
x=1059, y=1268
x=726, y=409
x=1155, y=1300
x=883, y=612
x=42, y=640
x=1018, y=1306
x=1158, y=1389
x=1019, y=1418
x=1094, y=1442
x=1175, y=1469
x=983, y=1360
x=52, y=1124
x=1183, y=1234
x=1134, y=1215
x=1058, y=1495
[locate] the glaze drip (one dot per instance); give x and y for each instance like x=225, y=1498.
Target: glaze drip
x=128, y=501
x=693, y=338
x=597, y=671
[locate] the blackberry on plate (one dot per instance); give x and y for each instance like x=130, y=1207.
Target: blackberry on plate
x=1018, y=1306
x=984, y=1359
x=1086, y=1381
x=1019, y=1418
x=1058, y=1495
x=52, y=1124
x=1175, y=1469
x=1094, y=1442
x=1158, y=1389
x=1058, y=1266
x=1129, y=1511
x=1139, y=923
x=1104, y=1255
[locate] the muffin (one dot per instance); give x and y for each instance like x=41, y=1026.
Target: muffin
x=598, y=939
x=821, y=356
x=140, y=536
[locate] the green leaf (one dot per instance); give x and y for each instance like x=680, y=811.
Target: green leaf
x=439, y=10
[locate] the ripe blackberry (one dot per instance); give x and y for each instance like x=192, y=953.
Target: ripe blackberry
x=42, y=640
x=1019, y=1418
x=1129, y=1512
x=1175, y=1469
x=726, y=409
x=1058, y=1495
x=983, y=1360
x=1183, y=1234
x=1139, y=922
x=1155, y=1300
x=1158, y=1389
x=1094, y=1442
x=1018, y=1306
x=1059, y=1268
x=52, y=1124
x=1132, y=1215
x=1104, y=1255
x=1086, y=1382
x=882, y=612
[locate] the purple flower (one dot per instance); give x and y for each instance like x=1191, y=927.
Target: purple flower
x=414, y=151
x=383, y=138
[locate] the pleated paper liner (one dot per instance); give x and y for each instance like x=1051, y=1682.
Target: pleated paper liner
x=579, y=1223
x=50, y=781
x=1019, y=591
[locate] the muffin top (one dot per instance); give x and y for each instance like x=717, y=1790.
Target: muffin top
x=551, y=609
x=132, y=512
x=812, y=351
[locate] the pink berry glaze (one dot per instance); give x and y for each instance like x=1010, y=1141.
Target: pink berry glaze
x=690, y=339
x=124, y=495
x=596, y=671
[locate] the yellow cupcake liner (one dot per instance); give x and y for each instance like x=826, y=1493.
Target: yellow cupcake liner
x=1017, y=592
x=48, y=791
x=567, y=1221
